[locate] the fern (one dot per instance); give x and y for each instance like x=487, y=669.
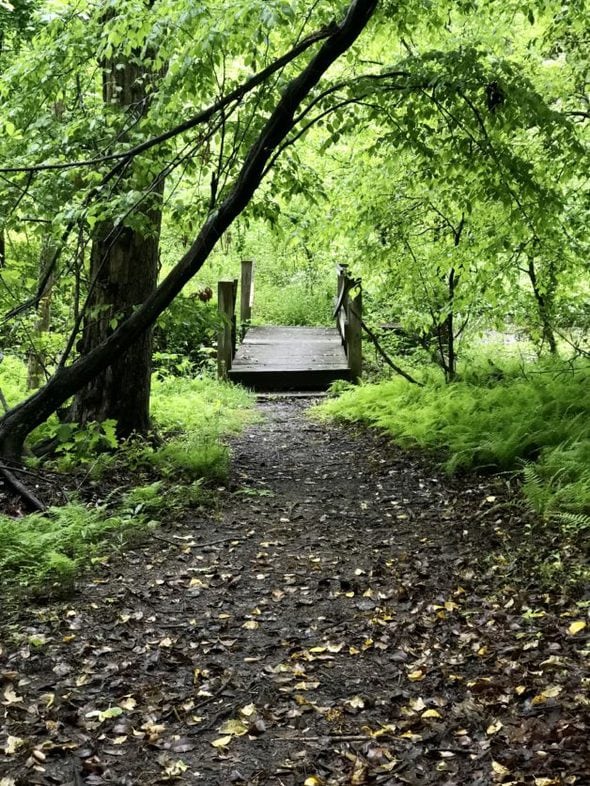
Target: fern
x=578, y=522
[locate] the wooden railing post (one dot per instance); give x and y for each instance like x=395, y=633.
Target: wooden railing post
x=234, y=320
x=226, y=300
x=247, y=291
x=354, y=335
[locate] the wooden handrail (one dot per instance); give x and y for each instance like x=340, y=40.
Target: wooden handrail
x=348, y=313
x=227, y=337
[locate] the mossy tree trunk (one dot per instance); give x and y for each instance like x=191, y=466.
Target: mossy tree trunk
x=124, y=264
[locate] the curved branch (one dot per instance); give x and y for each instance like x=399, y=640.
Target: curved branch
x=17, y=424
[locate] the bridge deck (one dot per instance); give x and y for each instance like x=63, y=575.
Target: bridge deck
x=290, y=358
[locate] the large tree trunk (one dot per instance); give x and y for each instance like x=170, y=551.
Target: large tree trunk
x=20, y=421
x=123, y=273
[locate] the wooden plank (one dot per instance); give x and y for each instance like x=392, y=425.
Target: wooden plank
x=290, y=358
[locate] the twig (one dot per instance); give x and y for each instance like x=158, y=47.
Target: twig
x=386, y=357
x=21, y=489
x=331, y=737
x=200, y=545
x=221, y=540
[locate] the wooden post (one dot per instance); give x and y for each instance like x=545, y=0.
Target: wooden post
x=355, y=335
x=341, y=302
x=247, y=291
x=225, y=306
x=234, y=322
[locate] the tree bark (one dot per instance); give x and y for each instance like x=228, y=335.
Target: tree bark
x=36, y=364
x=20, y=421
x=123, y=273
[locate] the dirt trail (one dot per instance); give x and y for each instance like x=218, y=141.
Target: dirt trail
x=336, y=621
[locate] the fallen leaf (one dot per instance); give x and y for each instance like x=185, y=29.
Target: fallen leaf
x=576, y=627
x=314, y=780
x=416, y=676
x=251, y=625
x=222, y=742
x=431, y=714
x=12, y=745
x=500, y=769
x=234, y=727
x=549, y=693
x=10, y=697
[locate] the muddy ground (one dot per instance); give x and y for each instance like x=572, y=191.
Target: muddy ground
x=346, y=615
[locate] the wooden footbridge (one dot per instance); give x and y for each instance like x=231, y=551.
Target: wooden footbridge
x=271, y=358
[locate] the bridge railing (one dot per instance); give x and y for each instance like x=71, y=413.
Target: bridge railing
x=348, y=313
x=227, y=295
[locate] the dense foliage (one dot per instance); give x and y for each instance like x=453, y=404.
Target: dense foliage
x=443, y=158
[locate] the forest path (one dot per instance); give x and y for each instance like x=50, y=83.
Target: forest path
x=336, y=621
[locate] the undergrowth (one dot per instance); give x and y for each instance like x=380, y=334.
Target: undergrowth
x=136, y=483
x=46, y=551
x=533, y=419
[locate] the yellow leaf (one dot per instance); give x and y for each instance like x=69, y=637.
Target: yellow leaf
x=7, y=781
x=128, y=703
x=431, y=714
x=234, y=727
x=576, y=627
x=418, y=705
x=176, y=768
x=410, y=735
x=10, y=696
x=167, y=642
x=335, y=647
x=251, y=625
x=12, y=744
x=222, y=742
x=545, y=782
x=549, y=693
x=499, y=769
x=494, y=728
x=307, y=685
x=416, y=676
x=195, y=582
x=248, y=710
x=313, y=780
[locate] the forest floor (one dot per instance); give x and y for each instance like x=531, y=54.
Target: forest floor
x=347, y=615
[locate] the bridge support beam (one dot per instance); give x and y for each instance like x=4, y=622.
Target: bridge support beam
x=226, y=304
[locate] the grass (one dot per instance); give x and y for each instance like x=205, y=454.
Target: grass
x=44, y=553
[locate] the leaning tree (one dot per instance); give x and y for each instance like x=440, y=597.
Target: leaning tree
x=330, y=43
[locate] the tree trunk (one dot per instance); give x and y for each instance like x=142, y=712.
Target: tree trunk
x=123, y=273
x=36, y=364
x=543, y=301
x=20, y=421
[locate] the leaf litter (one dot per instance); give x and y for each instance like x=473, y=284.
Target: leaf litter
x=347, y=615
